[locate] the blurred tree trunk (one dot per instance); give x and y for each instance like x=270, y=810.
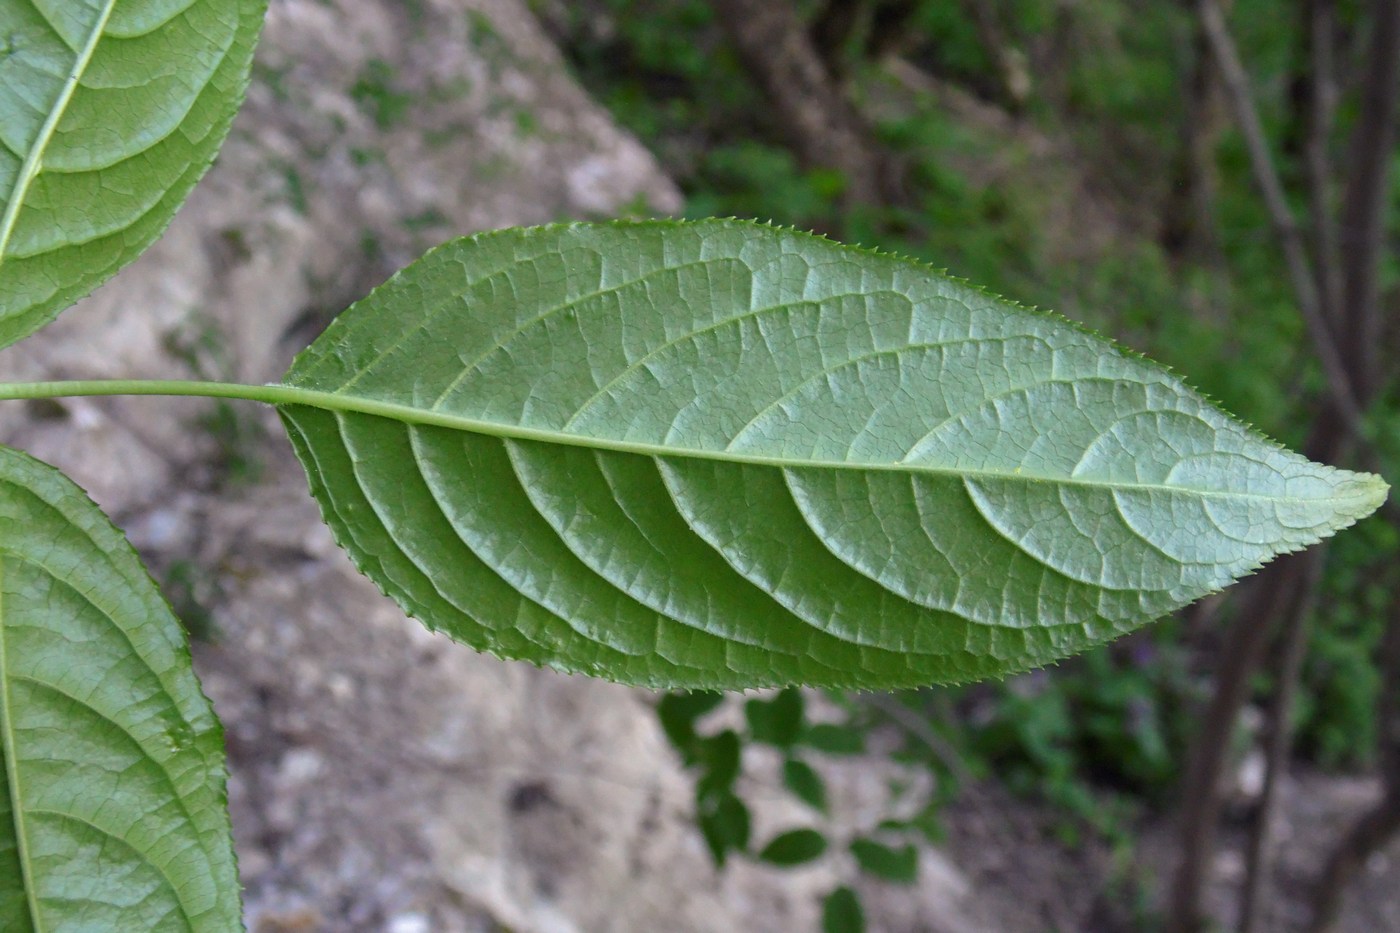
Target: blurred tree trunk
x=847, y=30
x=809, y=105
x=1188, y=218
x=1378, y=826
x=1345, y=333
x=1360, y=238
x=1012, y=69
x=1364, y=203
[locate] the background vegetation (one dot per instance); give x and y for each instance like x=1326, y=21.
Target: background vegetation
x=1100, y=157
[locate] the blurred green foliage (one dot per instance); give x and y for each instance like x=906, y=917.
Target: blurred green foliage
x=1063, y=201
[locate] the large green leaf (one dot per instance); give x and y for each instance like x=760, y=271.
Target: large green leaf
x=112, y=813
x=110, y=111
x=724, y=455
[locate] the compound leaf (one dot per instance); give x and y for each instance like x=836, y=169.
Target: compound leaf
x=112, y=801
x=724, y=455
x=109, y=113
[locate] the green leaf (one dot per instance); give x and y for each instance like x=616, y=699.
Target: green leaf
x=777, y=721
x=109, y=113
x=724, y=822
x=724, y=455
x=719, y=756
x=678, y=713
x=803, y=780
x=112, y=791
x=834, y=739
x=900, y=865
x=794, y=847
x=842, y=913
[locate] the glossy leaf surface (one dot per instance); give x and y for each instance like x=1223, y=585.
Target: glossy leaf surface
x=110, y=111
x=719, y=454
x=112, y=790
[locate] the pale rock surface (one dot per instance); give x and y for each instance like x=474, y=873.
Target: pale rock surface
x=384, y=778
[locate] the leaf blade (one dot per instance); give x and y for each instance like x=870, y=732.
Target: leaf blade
x=109, y=114
x=793, y=847
x=722, y=455
x=113, y=795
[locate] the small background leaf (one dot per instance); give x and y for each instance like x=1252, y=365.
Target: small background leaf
x=93, y=168
x=678, y=713
x=777, y=721
x=842, y=913
x=899, y=864
x=724, y=822
x=803, y=780
x=719, y=758
x=112, y=801
x=794, y=847
x=834, y=739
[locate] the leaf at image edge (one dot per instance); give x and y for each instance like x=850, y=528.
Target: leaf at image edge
x=93, y=178
x=113, y=788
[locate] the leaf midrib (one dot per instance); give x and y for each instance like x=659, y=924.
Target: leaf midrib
x=334, y=401
x=280, y=395
x=33, y=159
x=7, y=741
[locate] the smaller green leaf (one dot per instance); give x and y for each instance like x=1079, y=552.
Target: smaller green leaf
x=777, y=721
x=898, y=864
x=678, y=712
x=842, y=913
x=724, y=822
x=802, y=779
x=835, y=739
x=794, y=847
x=718, y=757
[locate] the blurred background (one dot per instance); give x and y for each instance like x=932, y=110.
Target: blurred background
x=1212, y=183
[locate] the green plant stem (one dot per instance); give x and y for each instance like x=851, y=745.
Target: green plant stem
x=271, y=394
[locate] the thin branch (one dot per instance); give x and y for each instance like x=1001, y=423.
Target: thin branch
x=808, y=104
x=1375, y=828
x=1300, y=273
x=917, y=727
x=1240, y=657
x=1364, y=200
x=1321, y=108
x=1259, y=857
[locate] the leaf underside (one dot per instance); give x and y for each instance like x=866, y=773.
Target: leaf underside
x=719, y=454
x=112, y=800
x=110, y=111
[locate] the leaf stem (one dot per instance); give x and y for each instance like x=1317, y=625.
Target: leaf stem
x=271, y=394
